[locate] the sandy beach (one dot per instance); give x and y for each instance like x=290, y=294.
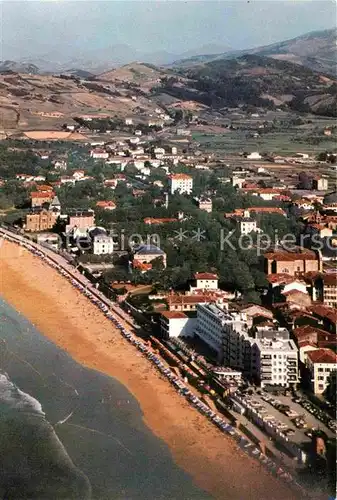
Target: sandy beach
x=67, y=318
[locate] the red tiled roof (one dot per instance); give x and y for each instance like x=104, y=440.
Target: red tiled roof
x=290, y=256
x=281, y=278
x=321, y=311
x=42, y=194
x=293, y=292
x=174, y=314
x=305, y=330
x=329, y=279
x=43, y=187
x=164, y=220
x=180, y=176
x=323, y=356
x=104, y=204
x=275, y=210
x=304, y=343
x=188, y=299
x=143, y=266
x=205, y=276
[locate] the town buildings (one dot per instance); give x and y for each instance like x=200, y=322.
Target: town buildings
x=247, y=225
x=187, y=302
x=147, y=253
x=274, y=359
x=204, y=281
x=80, y=220
x=181, y=183
x=323, y=287
x=268, y=356
x=320, y=363
x=40, y=219
x=39, y=198
x=102, y=244
x=106, y=205
x=204, y=204
x=214, y=324
x=177, y=324
x=320, y=183
x=99, y=154
x=293, y=262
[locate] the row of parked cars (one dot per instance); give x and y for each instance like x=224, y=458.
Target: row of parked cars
x=318, y=413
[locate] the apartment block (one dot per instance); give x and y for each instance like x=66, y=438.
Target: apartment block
x=274, y=362
x=182, y=183
x=320, y=364
x=267, y=355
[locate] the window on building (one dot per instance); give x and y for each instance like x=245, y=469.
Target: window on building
x=320, y=369
x=320, y=378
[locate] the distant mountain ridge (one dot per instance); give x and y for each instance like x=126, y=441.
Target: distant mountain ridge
x=18, y=67
x=257, y=81
x=315, y=50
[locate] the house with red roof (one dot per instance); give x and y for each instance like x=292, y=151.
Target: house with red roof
x=181, y=183
x=106, y=205
x=320, y=363
x=164, y=220
x=141, y=266
x=177, y=324
x=326, y=316
x=294, y=262
x=204, y=281
x=38, y=198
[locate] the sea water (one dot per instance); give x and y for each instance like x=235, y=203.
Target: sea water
x=67, y=432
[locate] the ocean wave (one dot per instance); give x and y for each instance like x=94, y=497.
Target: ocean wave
x=15, y=399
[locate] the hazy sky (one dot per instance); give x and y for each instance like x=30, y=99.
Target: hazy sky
x=69, y=28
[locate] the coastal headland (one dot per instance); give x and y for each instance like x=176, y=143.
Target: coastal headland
x=67, y=318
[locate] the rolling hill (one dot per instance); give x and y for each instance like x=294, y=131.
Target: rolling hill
x=46, y=102
x=315, y=50
x=258, y=81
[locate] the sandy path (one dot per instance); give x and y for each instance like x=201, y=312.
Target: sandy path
x=63, y=315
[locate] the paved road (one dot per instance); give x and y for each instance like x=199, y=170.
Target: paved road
x=299, y=436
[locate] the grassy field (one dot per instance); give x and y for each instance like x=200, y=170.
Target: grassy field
x=280, y=143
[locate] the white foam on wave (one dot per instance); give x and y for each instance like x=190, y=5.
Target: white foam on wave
x=16, y=399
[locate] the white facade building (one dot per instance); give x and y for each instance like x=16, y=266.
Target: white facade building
x=247, y=225
x=271, y=358
x=99, y=154
x=182, y=183
x=275, y=361
x=321, y=362
x=216, y=327
x=205, y=281
x=177, y=324
x=254, y=156
x=102, y=245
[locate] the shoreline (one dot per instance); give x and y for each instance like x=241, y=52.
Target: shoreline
x=67, y=318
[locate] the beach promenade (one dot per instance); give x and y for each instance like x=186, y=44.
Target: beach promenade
x=66, y=316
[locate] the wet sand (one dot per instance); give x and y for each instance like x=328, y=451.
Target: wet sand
x=67, y=318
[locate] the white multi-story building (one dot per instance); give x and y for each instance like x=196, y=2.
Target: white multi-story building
x=99, y=154
x=274, y=361
x=270, y=357
x=182, y=183
x=102, y=244
x=177, y=324
x=247, y=225
x=320, y=363
x=215, y=325
x=205, y=281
